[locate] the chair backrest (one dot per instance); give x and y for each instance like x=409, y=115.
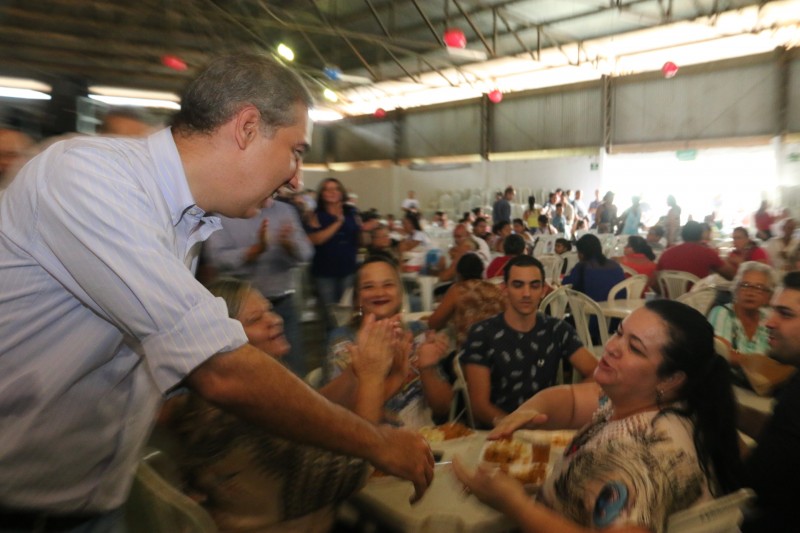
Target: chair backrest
x=156, y=506
x=722, y=515
x=460, y=391
x=571, y=259
x=633, y=286
x=552, y=265
x=582, y=308
x=700, y=300
x=555, y=303
x=628, y=270
x=673, y=283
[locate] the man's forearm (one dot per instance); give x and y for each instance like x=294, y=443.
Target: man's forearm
x=251, y=384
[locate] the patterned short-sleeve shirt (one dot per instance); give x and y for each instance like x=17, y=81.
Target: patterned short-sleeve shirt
x=636, y=471
x=520, y=364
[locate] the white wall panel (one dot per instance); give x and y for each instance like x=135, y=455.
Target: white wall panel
x=794, y=96
x=442, y=131
x=566, y=119
x=733, y=102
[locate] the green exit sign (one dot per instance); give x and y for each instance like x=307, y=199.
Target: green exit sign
x=794, y=157
x=594, y=166
x=686, y=155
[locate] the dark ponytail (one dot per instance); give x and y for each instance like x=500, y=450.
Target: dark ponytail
x=707, y=392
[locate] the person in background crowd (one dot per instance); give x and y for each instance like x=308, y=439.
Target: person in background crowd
x=501, y=211
x=561, y=247
x=656, y=433
x=550, y=207
x=511, y=356
x=416, y=239
x=521, y=229
x=569, y=212
x=500, y=231
x=782, y=249
x=694, y=257
x=593, y=206
x=672, y=225
x=655, y=238
x=381, y=243
x=105, y=233
x=581, y=210
x=410, y=204
x=745, y=249
x=126, y=122
x=531, y=214
x=595, y=274
x=543, y=226
x=513, y=245
x=771, y=469
x=639, y=257
x=558, y=220
x=469, y=300
x=463, y=242
x=265, y=250
x=480, y=229
x=631, y=218
x=606, y=215
x=764, y=221
x=334, y=229
x=13, y=145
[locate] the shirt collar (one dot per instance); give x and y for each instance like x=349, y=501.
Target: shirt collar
x=172, y=179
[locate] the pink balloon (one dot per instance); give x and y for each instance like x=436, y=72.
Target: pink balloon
x=380, y=113
x=496, y=96
x=455, y=38
x=669, y=69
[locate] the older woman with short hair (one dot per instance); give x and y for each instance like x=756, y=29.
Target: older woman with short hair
x=741, y=324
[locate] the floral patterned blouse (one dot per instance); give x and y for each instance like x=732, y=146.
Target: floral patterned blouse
x=631, y=472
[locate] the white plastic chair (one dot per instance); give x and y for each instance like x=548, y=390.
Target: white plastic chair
x=722, y=515
x=314, y=378
x=555, y=303
x=634, y=286
x=460, y=390
x=628, y=270
x=552, y=265
x=582, y=308
x=156, y=506
x=700, y=300
x=673, y=283
x=571, y=259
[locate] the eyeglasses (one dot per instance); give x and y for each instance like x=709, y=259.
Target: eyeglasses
x=754, y=286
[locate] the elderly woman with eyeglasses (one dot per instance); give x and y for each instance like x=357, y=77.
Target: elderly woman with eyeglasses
x=741, y=324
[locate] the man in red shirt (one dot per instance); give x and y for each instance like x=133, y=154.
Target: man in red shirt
x=693, y=257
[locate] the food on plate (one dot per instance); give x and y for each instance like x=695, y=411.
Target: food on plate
x=448, y=431
x=528, y=473
x=506, y=451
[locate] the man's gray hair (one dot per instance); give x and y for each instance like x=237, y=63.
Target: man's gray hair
x=231, y=82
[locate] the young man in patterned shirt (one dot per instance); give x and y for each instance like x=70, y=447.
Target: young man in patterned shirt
x=510, y=357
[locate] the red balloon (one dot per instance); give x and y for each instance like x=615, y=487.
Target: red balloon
x=380, y=113
x=496, y=96
x=173, y=62
x=455, y=38
x=669, y=69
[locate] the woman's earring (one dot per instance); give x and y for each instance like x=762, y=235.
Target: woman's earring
x=659, y=395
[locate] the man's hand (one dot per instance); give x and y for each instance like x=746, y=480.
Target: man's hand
x=285, y=238
x=407, y=455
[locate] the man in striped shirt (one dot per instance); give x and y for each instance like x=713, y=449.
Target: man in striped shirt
x=101, y=317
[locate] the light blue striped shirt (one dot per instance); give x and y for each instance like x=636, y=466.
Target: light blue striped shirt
x=99, y=315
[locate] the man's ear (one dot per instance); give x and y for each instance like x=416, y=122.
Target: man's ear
x=247, y=125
